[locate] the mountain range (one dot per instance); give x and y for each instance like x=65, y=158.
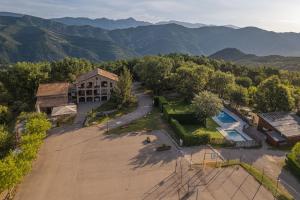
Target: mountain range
x=239, y=57
x=111, y=24
x=29, y=38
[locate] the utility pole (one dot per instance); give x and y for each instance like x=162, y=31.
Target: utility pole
x=276, y=192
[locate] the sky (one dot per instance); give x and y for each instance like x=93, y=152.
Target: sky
x=275, y=15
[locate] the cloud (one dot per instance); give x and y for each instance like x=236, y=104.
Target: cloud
x=270, y=14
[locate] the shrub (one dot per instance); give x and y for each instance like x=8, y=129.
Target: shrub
x=18, y=163
x=293, y=160
x=160, y=101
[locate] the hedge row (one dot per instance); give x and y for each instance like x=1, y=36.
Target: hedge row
x=293, y=160
x=184, y=118
x=160, y=101
x=188, y=139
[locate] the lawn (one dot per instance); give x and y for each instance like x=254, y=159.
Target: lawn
x=92, y=117
x=152, y=121
x=179, y=107
x=211, y=129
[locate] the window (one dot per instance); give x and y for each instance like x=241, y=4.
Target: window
x=90, y=84
x=81, y=92
x=104, y=84
x=111, y=84
x=89, y=92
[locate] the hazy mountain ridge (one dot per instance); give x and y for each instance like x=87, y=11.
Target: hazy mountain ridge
x=239, y=57
x=30, y=38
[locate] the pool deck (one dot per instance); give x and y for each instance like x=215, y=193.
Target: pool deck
x=238, y=125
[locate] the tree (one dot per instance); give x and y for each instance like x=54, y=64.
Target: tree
x=273, y=96
x=239, y=96
x=191, y=79
x=5, y=115
x=5, y=141
x=122, y=93
x=22, y=79
x=69, y=68
x=244, y=81
x=251, y=93
x=154, y=71
x=219, y=83
x=37, y=124
x=206, y=104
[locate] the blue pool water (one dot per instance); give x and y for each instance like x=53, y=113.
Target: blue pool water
x=225, y=118
x=234, y=135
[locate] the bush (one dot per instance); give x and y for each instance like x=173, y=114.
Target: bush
x=160, y=101
x=18, y=162
x=293, y=160
x=188, y=139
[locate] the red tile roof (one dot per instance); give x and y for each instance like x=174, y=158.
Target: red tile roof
x=95, y=72
x=52, y=89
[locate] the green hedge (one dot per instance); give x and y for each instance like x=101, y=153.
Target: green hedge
x=184, y=118
x=188, y=139
x=293, y=160
x=160, y=101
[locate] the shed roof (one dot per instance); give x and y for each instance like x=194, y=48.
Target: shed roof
x=95, y=72
x=52, y=89
x=64, y=110
x=287, y=123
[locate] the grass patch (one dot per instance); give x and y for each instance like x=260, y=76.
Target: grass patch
x=177, y=107
x=211, y=129
x=151, y=121
x=92, y=117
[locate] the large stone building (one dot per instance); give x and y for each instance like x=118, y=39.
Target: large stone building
x=57, y=98
x=95, y=86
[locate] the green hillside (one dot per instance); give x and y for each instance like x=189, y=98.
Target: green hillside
x=30, y=38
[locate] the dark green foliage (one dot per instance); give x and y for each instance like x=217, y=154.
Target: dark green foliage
x=239, y=96
x=6, y=141
x=68, y=69
x=244, y=81
x=273, y=96
x=5, y=115
x=191, y=79
x=182, y=117
x=155, y=72
x=122, y=92
x=206, y=105
x=160, y=101
x=293, y=160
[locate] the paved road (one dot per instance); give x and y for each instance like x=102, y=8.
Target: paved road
x=71, y=152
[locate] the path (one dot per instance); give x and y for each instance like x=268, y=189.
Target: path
x=72, y=157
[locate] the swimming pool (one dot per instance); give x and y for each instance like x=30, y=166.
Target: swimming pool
x=225, y=118
x=235, y=135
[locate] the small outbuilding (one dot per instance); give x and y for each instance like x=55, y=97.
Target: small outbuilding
x=51, y=95
x=281, y=128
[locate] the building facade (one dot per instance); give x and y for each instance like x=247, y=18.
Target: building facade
x=51, y=95
x=95, y=86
